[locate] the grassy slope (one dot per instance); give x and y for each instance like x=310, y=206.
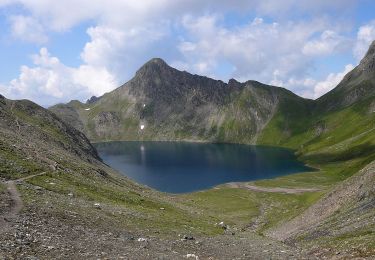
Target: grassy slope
x=244, y=209
x=123, y=204
x=331, y=138
x=339, y=144
x=39, y=142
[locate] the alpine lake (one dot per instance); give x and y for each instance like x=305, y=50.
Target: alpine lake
x=182, y=167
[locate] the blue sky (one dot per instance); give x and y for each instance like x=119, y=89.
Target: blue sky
x=57, y=51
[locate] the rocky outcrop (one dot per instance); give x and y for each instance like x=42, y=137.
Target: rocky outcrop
x=68, y=114
x=93, y=99
x=106, y=123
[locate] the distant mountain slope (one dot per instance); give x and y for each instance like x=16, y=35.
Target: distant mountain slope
x=162, y=103
x=344, y=115
x=34, y=139
x=338, y=138
x=357, y=85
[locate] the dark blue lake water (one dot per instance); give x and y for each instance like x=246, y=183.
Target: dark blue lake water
x=179, y=167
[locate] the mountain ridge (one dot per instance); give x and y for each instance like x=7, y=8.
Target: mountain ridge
x=158, y=94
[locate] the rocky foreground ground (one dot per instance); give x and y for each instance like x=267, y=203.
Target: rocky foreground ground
x=41, y=230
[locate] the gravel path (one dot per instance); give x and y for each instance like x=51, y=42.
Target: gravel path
x=265, y=189
x=16, y=204
x=15, y=207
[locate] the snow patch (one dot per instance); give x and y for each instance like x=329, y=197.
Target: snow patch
x=142, y=127
x=87, y=109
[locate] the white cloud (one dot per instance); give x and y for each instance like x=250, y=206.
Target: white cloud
x=117, y=49
x=62, y=15
x=97, y=80
x=5, y=2
x=50, y=81
x=332, y=80
x=268, y=52
x=312, y=88
x=277, y=7
x=124, y=33
x=365, y=36
x=328, y=43
x=28, y=29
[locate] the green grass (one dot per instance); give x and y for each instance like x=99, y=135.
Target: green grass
x=239, y=207
x=342, y=125
x=328, y=175
x=141, y=209
x=13, y=165
x=345, y=144
x=41, y=124
x=2, y=188
x=233, y=206
x=283, y=207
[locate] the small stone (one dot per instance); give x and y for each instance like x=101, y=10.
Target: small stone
x=222, y=225
x=186, y=237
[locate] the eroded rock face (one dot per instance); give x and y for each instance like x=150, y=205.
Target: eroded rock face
x=69, y=115
x=367, y=64
x=372, y=107
x=92, y=100
x=319, y=128
x=106, y=123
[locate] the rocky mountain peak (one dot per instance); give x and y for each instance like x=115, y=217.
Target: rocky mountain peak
x=367, y=64
x=371, y=50
x=93, y=99
x=152, y=66
x=157, y=62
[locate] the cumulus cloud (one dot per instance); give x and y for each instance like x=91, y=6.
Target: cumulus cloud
x=124, y=34
x=62, y=15
x=269, y=52
x=49, y=81
x=328, y=43
x=119, y=50
x=312, y=88
x=277, y=7
x=28, y=29
x=332, y=80
x=365, y=36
